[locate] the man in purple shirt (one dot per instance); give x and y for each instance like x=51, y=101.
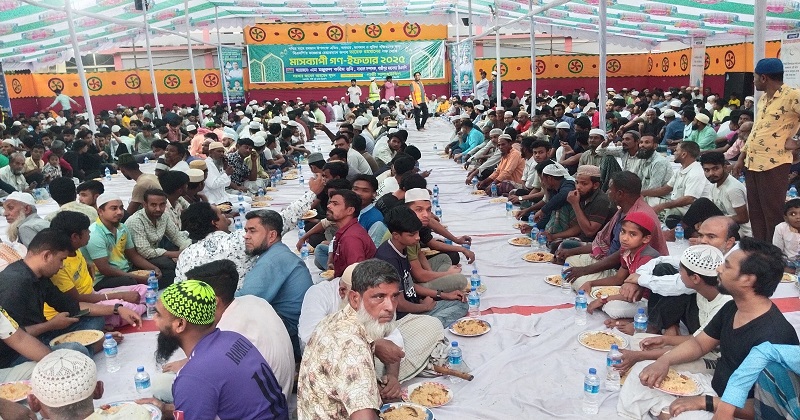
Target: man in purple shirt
x=226, y=377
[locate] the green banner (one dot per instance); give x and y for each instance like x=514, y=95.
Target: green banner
x=344, y=61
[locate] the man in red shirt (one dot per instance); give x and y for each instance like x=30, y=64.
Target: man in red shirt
x=352, y=243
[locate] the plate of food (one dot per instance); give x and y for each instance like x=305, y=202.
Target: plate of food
x=309, y=214
x=429, y=252
x=520, y=241
x=538, y=257
x=499, y=200
x=224, y=207
x=519, y=225
x=290, y=177
x=15, y=391
x=601, y=340
x=428, y=394
x=554, y=280
x=470, y=327
x=310, y=251
x=404, y=411
x=270, y=189
x=481, y=289
x=259, y=204
x=82, y=337
x=789, y=278
x=142, y=273
x=478, y=192
x=605, y=290
x=128, y=410
x=327, y=274
x=263, y=198
x=680, y=385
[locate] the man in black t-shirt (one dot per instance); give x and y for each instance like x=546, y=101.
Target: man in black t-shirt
x=750, y=275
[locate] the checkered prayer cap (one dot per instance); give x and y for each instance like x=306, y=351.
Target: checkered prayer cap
x=192, y=300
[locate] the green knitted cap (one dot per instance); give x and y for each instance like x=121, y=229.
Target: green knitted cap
x=192, y=300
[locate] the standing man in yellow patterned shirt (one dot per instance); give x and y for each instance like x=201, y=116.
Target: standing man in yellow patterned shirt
x=767, y=155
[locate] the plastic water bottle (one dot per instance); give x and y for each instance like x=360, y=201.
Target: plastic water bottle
x=494, y=190
x=241, y=197
x=152, y=281
x=279, y=174
x=475, y=279
x=146, y=160
x=613, y=359
x=534, y=237
x=108, y=174
x=435, y=147
x=237, y=224
x=640, y=321
x=110, y=350
x=792, y=192
x=241, y=210
x=542, y=239
x=435, y=201
x=304, y=251
x=566, y=287
x=741, y=178
x=679, y=234
x=301, y=232
x=669, y=152
x=454, y=360
x=463, y=159
x=530, y=220
x=150, y=301
x=435, y=191
x=509, y=209
x=474, y=300
x=474, y=183
x=591, y=392
x=260, y=192
x=302, y=180
x=580, y=308
x=142, y=381
x=438, y=213
x=273, y=181
x=301, y=224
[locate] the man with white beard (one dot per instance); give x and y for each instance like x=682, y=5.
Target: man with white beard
x=219, y=174
x=336, y=387
x=23, y=221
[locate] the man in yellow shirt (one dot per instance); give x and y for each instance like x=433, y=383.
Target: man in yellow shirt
x=418, y=99
x=75, y=279
x=767, y=154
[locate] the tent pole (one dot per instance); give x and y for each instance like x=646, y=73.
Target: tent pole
x=457, y=55
x=601, y=107
x=533, y=59
x=221, y=63
x=191, y=54
x=534, y=12
x=497, y=78
x=150, y=61
x=79, y=63
x=760, y=38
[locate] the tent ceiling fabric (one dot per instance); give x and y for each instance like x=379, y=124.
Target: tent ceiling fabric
x=33, y=36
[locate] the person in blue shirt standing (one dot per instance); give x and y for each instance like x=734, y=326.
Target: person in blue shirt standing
x=278, y=276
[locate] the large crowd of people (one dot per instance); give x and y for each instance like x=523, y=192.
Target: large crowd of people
x=668, y=164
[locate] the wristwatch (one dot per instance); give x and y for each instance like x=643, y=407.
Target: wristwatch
x=116, y=308
x=438, y=295
x=709, y=403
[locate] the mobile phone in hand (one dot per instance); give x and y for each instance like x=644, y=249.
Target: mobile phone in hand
x=80, y=314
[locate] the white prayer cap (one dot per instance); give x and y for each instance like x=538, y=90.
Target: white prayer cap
x=63, y=377
x=702, y=259
x=115, y=128
x=563, y=124
x=22, y=197
x=417, y=194
x=191, y=127
x=549, y=124
x=106, y=197
x=195, y=175
x=676, y=103
x=597, y=132
x=508, y=114
x=555, y=169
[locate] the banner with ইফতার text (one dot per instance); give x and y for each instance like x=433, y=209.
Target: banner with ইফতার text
x=233, y=74
x=339, y=62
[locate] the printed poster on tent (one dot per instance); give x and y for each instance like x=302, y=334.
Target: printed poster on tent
x=698, y=63
x=790, y=55
x=5, y=101
x=233, y=74
x=462, y=69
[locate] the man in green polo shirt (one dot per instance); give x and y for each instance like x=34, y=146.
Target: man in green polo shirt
x=111, y=247
x=702, y=133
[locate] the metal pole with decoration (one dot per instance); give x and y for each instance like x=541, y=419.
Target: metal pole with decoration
x=191, y=54
x=150, y=58
x=221, y=63
x=79, y=63
x=603, y=94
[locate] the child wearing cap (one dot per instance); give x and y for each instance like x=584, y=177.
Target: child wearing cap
x=635, y=234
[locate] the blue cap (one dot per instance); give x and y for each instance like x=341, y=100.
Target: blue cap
x=592, y=371
x=454, y=343
x=769, y=66
x=140, y=369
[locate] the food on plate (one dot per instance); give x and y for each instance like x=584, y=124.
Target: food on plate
x=327, y=274
x=538, y=257
x=481, y=289
x=140, y=272
x=470, y=326
x=788, y=278
x=270, y=189
x=601, y=340
x=83, y=337
x=678, y=384
x=478, y=192
x=403, y=412
x=259, y=204
x=15, y=391
x=519, y=225
x=605, y=290
x=555, y=280
x=499, y=200
x=224, y=207
x=430, y=394
x=429, y=252
x=290, y=176
x=128, y=411
x=263, y=198
x=310, y=214
x=521, y=241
